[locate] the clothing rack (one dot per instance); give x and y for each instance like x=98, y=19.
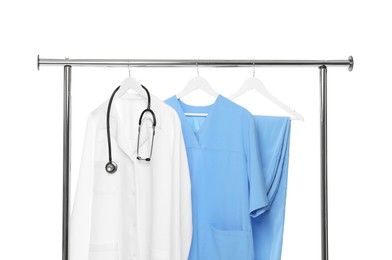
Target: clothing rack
x=321, y=64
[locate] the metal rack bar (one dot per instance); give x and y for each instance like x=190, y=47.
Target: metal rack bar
x=191, y=62
x=321, y=64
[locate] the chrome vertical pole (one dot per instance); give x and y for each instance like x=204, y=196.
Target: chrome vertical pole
x=66, y=157
x=324, y=162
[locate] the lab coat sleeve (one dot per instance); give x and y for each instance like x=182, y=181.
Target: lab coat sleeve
x=185, y=201
x=81, y=213
x=258, y=201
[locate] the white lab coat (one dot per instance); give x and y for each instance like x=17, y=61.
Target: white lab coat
x=142, y=211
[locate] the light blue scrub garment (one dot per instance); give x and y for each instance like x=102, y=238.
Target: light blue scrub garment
x=228, y=188
x=274, y=142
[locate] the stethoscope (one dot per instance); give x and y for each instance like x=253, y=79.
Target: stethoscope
x=111, y=166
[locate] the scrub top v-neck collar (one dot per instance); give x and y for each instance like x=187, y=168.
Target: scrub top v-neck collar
x=197, y=136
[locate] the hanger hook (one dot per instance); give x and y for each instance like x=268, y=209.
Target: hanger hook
x=129, y=70
x=253, y=69
x=197, y=68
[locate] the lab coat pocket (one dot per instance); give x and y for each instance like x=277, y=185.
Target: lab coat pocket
x=107, y=251
x=232, y=244
x=104, y=182
x=159, y=254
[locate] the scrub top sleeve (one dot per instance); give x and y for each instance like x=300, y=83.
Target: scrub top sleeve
x=81, y=214
x=258, y=201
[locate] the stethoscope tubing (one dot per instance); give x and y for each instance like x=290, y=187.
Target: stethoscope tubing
x=111, y=166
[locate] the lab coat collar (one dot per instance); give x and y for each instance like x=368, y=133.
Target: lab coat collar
x=119, y=128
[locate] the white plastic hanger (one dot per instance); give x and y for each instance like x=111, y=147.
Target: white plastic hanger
x=130, y=83
x=197, y=82
x=257, y=84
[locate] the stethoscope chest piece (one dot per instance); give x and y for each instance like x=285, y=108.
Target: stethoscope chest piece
x=111, y=167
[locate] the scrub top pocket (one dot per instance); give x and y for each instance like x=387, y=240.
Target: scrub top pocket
x=231, y=244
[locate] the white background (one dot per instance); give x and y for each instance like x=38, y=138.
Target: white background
x=359, y=104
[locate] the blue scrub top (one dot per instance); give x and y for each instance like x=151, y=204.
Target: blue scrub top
x=228, y=187
x=274, y=139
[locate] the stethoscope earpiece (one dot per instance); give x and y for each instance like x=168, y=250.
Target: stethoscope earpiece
x=111, y=167
x=140, y=158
